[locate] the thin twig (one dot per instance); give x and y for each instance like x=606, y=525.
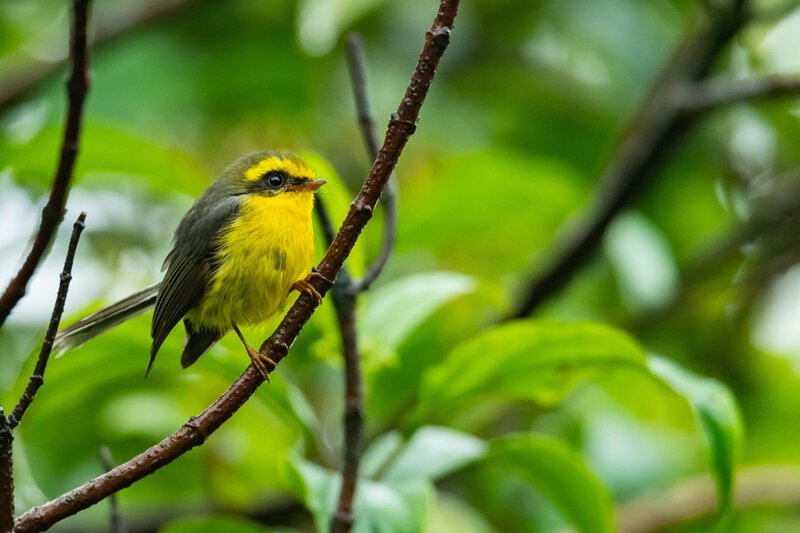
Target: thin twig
x=115, y=516
x=276, y=347
x=345, y=304
x=708, y=95
x=53, y=211
x=37, y=377
x=656, y=129
x=358, y=79
x=6, y=475
x=344, y=301
x=345, y=293
x=19, y=84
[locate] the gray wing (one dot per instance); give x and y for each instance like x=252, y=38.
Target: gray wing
x=190, y=264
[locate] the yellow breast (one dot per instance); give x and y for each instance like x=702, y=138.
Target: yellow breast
x=262, y=253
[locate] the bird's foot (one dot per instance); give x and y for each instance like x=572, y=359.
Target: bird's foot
x=258, y=360
x=304, y=285
x=256, y=357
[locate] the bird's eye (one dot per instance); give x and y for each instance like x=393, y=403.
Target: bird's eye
x=275, y=179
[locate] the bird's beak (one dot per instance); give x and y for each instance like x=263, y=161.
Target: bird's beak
x=312, y=185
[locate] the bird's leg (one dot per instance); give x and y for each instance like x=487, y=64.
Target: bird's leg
x=304, y=285
x=257, y=357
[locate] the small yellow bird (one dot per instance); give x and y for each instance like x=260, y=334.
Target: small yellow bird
x=239, y=251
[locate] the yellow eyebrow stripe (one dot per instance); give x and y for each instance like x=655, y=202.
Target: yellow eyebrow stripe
x=290, y=167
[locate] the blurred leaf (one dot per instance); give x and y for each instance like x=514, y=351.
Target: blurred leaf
x=214, y=524
x=108, y=153
x=395, y=507
x=434, y=452
x=378, y=453
x=643, y=263
x=394, y=310
x=531, y=360
x=320, y=22
x=561, y=475
x=718, y=413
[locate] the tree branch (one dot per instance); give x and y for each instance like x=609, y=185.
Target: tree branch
x=18, y=85
x=276, y=347
x=358, y=79
x=37, y=377
x=345, y=293
x=655, y=130
x=6, y=475
x=712, y=94
x=53, y=211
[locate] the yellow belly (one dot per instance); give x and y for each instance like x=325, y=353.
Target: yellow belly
x=261, y=254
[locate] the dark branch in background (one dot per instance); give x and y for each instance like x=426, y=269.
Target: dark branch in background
x=115, y=517
x=37, y=377
x=197, y=429
x=358, y=79
x=711, y=94
x=18, y=85
x=695, y=499
x=656, y=129
x=344, y=302
x=345, y=293
x=53, y=211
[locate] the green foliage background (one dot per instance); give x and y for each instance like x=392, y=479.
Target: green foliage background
x=472, y=427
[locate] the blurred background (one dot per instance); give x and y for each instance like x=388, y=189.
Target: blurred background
x=696, y=285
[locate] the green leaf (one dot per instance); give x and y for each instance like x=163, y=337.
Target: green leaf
x=396, y=309
x=532, y=360
x=214, y=524
x=379, y=506
x=716, y=409
x=434, y=452
x=379, y=452
x=561, y=475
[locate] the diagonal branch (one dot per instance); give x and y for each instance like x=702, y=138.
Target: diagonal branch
x=37, y=377
x=656, y=129
x=53, y=211
x=197, y=429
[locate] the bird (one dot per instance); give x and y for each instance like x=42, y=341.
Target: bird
x=239, y=251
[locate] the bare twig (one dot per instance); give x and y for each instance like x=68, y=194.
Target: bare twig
x=708, y=95
x=358, y=79
x=345, y=304
x=6, y=475
x=37, y=377
x=19, y=84
x=657, y=127
x=117, y=525
x=53, y=211
x=276, y=347
x=696, y=498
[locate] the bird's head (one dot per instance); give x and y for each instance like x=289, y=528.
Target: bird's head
x=270, y=174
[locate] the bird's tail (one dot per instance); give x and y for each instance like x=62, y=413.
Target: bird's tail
x=105, y=319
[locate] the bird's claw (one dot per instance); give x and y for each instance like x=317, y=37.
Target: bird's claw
x=304, y=285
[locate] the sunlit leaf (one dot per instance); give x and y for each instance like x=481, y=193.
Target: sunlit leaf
x=434, y=452
x=718, y=413
x=394, y=310
x=531, y=360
